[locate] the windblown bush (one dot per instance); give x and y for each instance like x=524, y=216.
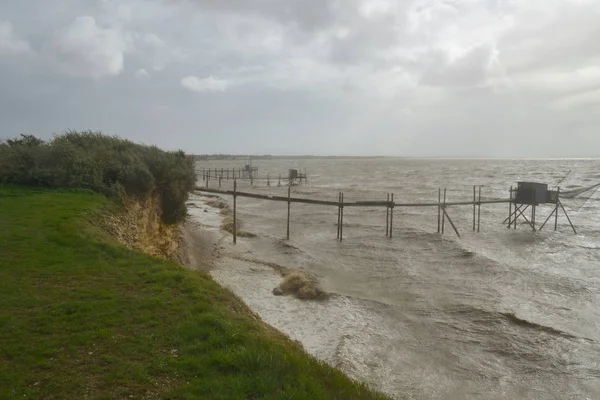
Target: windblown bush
x=106, y=164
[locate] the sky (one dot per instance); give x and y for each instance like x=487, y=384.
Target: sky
x=453, y=78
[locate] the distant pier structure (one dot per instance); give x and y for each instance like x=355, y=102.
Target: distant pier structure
x=295, y=177
x=248, y=172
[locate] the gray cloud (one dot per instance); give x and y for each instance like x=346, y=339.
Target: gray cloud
x=85, y=49
x=414, y=77
x=10, y=44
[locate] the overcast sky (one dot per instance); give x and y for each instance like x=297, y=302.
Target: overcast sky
x=500, y=78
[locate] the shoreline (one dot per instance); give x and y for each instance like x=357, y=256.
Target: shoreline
x=338, y=330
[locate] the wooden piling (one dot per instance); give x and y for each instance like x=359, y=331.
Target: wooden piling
x=533, y=210
x=567, y=215
x=444, y=213
x=387, y=216
x=288, y=213
x=556, y=209
x=234, y=212
x=342, y=219
x=339, y=214
x=451, y=223
x=439, y=209
x=339, y=222
x=478, y=210
x=392, y=216
x=473, y=208
x=220, y=181
x=510, y=206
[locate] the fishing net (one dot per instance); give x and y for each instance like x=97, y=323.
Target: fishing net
x=577, y=198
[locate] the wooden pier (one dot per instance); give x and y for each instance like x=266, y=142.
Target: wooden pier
x=250, y=173
x=229, y=173
x=389, y=203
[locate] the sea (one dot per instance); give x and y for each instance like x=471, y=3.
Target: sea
x=502, y=313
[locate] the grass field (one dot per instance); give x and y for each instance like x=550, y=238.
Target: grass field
x=83, y=317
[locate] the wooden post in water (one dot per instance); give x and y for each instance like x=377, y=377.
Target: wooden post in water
x=268, y=180
x=444, y=212
x=279, y=182
x=517, y=208
x=234, y=212
x=451, y=223
x=473, y=208
x=510, y=206
x=533, y=210
x=439, y=209
x=568, y=218
x=479, y=211
x=342, y=219
x=220, y=176
x=392, y=215
x=556, y=209
x=387, y=216
x=288, y=215
x=340, y=215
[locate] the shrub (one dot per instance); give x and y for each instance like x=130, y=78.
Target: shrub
x=106, y=164
x=301, y=286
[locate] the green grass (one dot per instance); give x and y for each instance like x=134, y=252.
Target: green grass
x=83, y=317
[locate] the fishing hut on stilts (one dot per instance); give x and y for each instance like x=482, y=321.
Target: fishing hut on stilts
x=530, y=195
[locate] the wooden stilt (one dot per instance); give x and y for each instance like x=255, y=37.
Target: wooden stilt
x=342, y=219
x=556, y=209
x=549, y=216
x=509, y=219
x=387, y=216
x=533, y=210
x=451, y=223
x=516, y=213
x=444, y=213
x=521, y=214
x=392, y=215
x=234, y=212
x=567, y=215
x=510, y=205
x=288, y=213
x=479, y=211
x=473, y=208
x=339, y=216
x=439, y=209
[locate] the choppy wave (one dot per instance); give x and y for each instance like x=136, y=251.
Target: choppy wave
x=512, y=318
